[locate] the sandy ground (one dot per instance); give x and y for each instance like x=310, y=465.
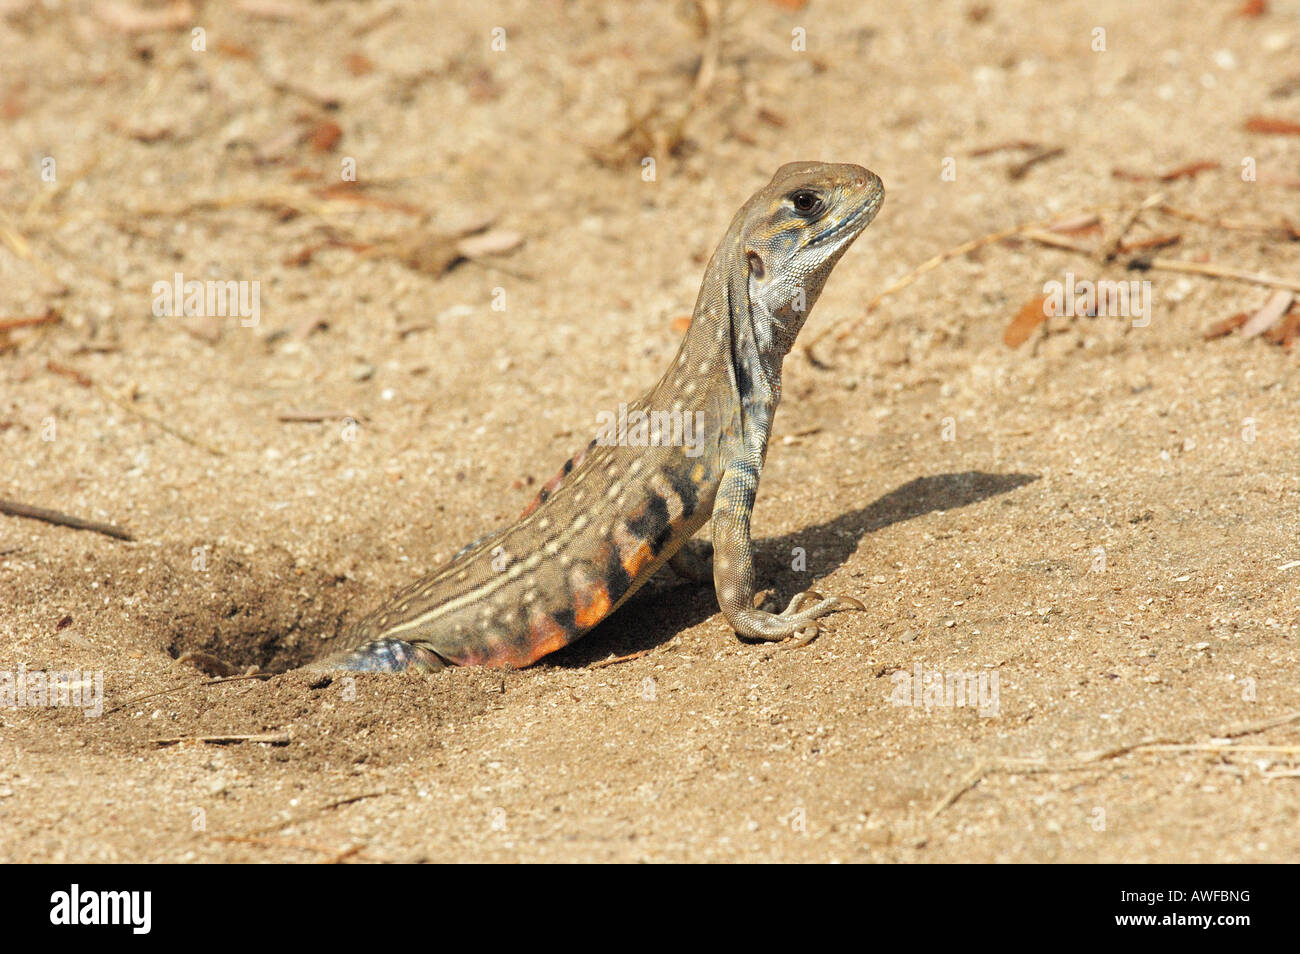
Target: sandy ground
x=1103, y=518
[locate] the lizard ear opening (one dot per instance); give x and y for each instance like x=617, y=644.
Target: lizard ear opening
x=756, y=267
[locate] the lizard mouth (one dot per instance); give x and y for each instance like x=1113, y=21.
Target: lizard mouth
x=866, y=211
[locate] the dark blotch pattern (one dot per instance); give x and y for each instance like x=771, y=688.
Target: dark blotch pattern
x=687, y=490
x=616, y=579
x=651, y=524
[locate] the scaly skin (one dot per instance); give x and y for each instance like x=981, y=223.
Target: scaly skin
x=617, y=512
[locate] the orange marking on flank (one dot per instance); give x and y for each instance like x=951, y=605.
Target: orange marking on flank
x=638, y=560
x=545, y=635
x=542, y=629
x=590, y=605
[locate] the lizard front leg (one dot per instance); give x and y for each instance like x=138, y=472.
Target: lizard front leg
x=733, y=566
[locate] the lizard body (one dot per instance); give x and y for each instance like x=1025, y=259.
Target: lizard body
x=621, y=508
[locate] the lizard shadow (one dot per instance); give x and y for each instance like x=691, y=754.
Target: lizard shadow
x=664, y=607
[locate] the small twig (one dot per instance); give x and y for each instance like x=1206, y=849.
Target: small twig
x=973, y=778
x=16, y=509
x=1284, y=231
x=49, y=318
x=186, y=685
x=955, y=252
x=1056, y=240
x=1029, y=767
x=350, y=800
x=315, y=417
x=318, y=810
x=1003, y=147
x=274, y=198
x=1021, y=169
x=1152, y=243
x=86, y=382
x=933, y=263
x=1085, y=222
x=1209, y=747
x=711, y=14
x=160, y=78
x=1084, y=760
x=615, y=660
x=343, y=855
x=1261, y=725
x=1110, y=249
x=325, y=100
x=156, y=422
x=335, y=855
x=1219, y=271
x=270, y=738
x=55, y=367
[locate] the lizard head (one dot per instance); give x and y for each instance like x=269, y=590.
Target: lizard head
x=791, y=234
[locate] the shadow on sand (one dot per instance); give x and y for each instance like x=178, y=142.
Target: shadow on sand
x=667, y=605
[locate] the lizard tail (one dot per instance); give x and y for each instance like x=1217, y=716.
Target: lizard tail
x=383, y=655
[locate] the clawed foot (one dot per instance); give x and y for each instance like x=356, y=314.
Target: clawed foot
x=797, y=618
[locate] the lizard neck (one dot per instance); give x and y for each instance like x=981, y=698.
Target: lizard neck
x=750, y=356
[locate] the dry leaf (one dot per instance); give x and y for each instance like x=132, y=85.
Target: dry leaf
x=237, y=50
x=359, y=64
x=1271, y=124
x=1156, y=241
x=496, y=242
x=1191, y=170
x=1286, y=332
x=1087, y=222
x=1225, y=327
x=13, y=105
x=482, y=87
x=431, y=254
x=1029, y=317
x=128, y=18
x=1277, y=305
x=325, y=135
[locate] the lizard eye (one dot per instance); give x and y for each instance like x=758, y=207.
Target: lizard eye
x=806, y=202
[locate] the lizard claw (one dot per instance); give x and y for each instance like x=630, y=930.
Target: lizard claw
x=824, y=604
x=803, y=637
x=798, y=617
